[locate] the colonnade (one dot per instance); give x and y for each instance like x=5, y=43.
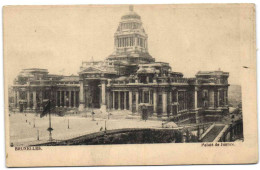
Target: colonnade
x=120, y=104
x=151, y=98
x=217, y=98
x=31, y=103
x=131, y=41
x=67, y=98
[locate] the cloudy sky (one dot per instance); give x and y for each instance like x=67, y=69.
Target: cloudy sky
x=191, y=39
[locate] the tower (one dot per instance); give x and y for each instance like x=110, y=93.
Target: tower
x=130, y=43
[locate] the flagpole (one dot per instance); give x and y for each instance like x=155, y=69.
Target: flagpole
x=50, y=129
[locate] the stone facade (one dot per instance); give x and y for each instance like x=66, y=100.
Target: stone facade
x=128, y=79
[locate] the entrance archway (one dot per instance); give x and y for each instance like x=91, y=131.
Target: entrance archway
x=93, y=94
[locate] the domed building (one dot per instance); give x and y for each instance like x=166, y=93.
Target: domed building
x=128, y=79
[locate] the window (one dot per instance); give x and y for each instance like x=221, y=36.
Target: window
x=146, y=97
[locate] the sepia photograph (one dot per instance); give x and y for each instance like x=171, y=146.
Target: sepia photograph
x=120, y=75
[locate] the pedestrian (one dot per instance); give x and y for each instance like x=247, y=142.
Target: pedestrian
x=101, y=128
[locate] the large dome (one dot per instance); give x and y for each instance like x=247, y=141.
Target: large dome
x=131, y=14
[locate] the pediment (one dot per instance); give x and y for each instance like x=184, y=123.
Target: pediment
x=91, y=70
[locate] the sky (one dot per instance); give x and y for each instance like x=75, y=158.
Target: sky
x=59, y=38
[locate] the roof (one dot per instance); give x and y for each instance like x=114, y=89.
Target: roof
x=70, y=78
x=147, y=70
x=158, y=64
x=213, y=73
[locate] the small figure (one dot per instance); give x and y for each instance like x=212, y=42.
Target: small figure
x=93, y=113
x=101, y=129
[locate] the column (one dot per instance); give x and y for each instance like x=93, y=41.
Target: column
x=103, y=91
x=155, y=101
x=56, y=99
x=196, y=105
x=142, y=99
x=81, y=96
x=70, y=98
x=28, y=99
x=130, y=101
x=18, y=98
x=137, y=101
x=114, y=99
x=119, y=101
x=65, y=99
x=211, y=98
x=218, y=98
x=146, y=44
x=171, y=111
x=164, y=98
x=195, y=98
x=108, y=98
x=185, y=100
x=177, y=100
x=74, y=98
x=34, y=100
x=15, y=101
x=86, y=98
x=225, y=99
x=41, y=99
x=149, y=100
x=147, y=79
x=125, y=100
x=60, y=98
